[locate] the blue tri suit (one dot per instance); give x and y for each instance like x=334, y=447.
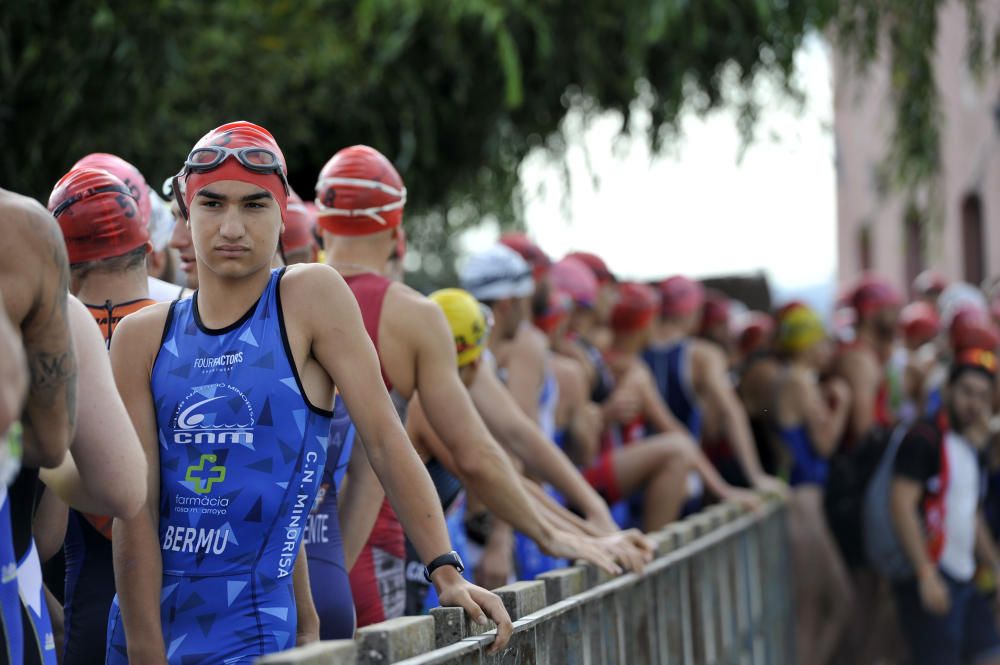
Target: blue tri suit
x=241, y=456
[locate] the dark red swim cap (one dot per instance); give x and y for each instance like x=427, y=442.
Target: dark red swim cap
x=714, y=311
x=239, y=134
x=596, y=265
x=757, y=332
x=635, y=308
x=359, y=193
x=971, y=328
x=680, y=296
x=125, y=172
x=299, y=225
x=873, y=293
x=920, y=322
x=538, y=260
x=98, y=215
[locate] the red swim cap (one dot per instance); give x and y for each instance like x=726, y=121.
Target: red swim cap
x=575, y=278
x=635, y=308
x=757, y=332
x=538, y=260
x=714, y=311
x=98, y=215
x=299, y=225
x=920, y=322
x=871, y=294
x=125, y=172
x=596, y=265
x=971, y=328
x=680, y=296
x=359, y=193
x=239, y=134
x=559, y=306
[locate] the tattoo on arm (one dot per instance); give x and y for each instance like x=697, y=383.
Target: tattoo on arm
x=52, y=374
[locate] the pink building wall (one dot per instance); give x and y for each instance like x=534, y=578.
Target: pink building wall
x=970, y=159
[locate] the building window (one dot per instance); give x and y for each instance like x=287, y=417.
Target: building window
x=973, y=248
x=865, y=247
x=913, y=241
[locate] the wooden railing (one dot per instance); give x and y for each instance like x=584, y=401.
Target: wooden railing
x=718, y=593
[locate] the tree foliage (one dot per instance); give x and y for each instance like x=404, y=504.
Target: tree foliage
x=455, y=93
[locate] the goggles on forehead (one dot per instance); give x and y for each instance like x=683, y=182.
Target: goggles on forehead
x=209, y=158
x=372, y=212
x=87, y=193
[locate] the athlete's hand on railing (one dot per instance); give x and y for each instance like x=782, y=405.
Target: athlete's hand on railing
x=745, y=498
x=455, y=591
x=565, y=545
x=771, y=485
x=630, y=548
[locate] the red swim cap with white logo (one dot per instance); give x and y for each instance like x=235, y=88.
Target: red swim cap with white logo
x=359, y=193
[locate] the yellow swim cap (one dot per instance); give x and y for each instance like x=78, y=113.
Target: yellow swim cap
x=798, y=329
x=467, y=322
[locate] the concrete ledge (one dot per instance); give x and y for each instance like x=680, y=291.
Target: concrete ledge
x=522, y=598
x=333, y=652
x=395, y=639
x=562, y=583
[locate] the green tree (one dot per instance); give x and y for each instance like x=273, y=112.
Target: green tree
x=455, y=93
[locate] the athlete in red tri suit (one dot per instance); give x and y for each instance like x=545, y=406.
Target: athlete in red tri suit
x=360, y=198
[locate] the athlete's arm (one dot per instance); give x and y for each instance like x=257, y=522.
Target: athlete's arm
x=526, y=371
x=825, y=423
x=137, y=560
x=855, y=368
x=986, y=547
x=359, y=499
x=583, y=429
x=541, y=457
x=481, y=463
x=48, y=526
x=713, y=383
x=307, y=619
x=343, y=348
x=35, y=274
x=13, y=372
x=105, y=472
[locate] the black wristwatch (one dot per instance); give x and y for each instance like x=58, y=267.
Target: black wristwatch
x=449, y=559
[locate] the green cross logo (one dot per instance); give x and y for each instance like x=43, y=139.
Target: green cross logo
x=209, y=480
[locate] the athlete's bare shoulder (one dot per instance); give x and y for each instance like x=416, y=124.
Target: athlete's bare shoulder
x=530, y=339
x=407, y=307
x=139, y=334
x=309, y=284
x=34, y=272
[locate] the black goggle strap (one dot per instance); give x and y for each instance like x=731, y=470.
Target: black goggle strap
x=86, y=194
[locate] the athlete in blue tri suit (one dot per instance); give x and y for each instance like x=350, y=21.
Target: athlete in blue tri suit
x=228, y=392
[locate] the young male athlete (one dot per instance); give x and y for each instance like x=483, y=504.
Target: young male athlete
x=360, y=199
x=229, y=392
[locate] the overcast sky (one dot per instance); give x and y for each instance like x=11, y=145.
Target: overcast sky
x=698, y=209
